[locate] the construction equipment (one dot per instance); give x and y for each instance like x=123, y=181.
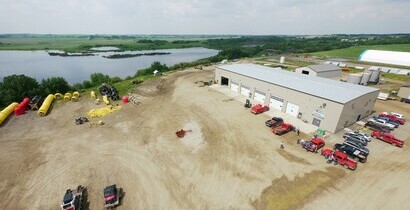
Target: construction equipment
x=181, y=133
x=22, y=107
x=112, y=196
x=73, y=199
x=81, y=120
x=35, y=102
x=58, y=96
x=101, y=112
x=67, y=96
x=134, y=99
x=93, y=96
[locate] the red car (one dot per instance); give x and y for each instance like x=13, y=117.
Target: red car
x=258, y=108
x=282, y=129
x=314, y=145
x=388, y=137
x=393, y=118
x=340, y=158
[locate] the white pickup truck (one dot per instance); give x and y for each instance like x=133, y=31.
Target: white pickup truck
x=382, y=123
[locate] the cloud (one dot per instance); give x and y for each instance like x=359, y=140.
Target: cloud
x=205, y=17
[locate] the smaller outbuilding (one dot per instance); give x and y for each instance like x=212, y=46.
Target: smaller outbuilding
x=404, y=91
x=322, y=70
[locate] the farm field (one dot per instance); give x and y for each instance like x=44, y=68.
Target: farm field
x=229, y=160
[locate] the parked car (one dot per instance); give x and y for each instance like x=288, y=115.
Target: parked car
x=388, y=137
x=360, y=135
x=396, y=124
x=352, y=152
x=374, y=126
x=397, y=115
x=258, y=108
x=340, y=158
x=393, y=118
x=355, y=138
x=405, y=100
x=382, y=122
x=357, y=146
x=282, y=129
x=274, y=122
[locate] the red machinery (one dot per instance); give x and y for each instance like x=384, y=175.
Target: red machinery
x=258, y=108
x=282, y=129
x=22, y=107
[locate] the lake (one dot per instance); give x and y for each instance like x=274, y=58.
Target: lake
x=40, y=65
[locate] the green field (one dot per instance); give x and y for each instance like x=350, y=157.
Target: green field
x=354, y=52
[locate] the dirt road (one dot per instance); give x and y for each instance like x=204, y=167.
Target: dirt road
x=230, y=160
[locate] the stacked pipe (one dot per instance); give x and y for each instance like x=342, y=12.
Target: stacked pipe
x=75, y=96
x=22, y=107
x=7, y=111
x=46, y=105
x=58, y=96
x=106, y=101
x=67, y=96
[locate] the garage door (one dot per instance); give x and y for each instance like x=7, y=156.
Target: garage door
x=259, y=96
x=292, y=109
x=245, y=90
x=276, y=103
x=234, y=86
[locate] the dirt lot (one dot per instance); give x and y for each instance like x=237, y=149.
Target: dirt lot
x=230, y=160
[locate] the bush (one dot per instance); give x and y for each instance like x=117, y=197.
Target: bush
x=15, y=87
x=115, y=79
x=87, y=84
x=99, y=78
x=54, y=85
x=77, y=87
x=154, y=66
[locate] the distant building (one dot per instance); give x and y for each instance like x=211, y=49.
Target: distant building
x=404, y=91
x=328, y=104
x=386, y=57
x=322, y=70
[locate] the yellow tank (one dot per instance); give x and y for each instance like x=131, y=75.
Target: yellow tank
x=106, y=101
x=93, y=96
x=7, y=111
x=45, y=106
x=74, y=98
x=58, y=96
x=67, y=96
x=76, y=94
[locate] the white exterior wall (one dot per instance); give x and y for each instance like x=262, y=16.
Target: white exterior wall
x=308, y=104
x=324, y=74
x=311, y=72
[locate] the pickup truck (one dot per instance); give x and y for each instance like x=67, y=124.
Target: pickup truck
x=282, y=129
x=382, y=123
x=388, y=137
x=258, y=108
x=352, y=151
x=314, y=145
x=393, y=118
x=377, y=127
x=274, y=122
x=340, y=158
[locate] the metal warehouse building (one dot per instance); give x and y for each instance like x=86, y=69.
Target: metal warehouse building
x=328, y=104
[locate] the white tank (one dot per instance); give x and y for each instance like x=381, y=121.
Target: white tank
x=282, y=60
x=365, y=78
x=375, y=74
x=354, y=78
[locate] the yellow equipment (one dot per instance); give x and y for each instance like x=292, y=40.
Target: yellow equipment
x=106, y=101
x=77, y=94
x=58, y=96
x=67, y=97
x=74, y=98
x=45, y=106
x=101, y=112
x=7, y=111
x=93, y=96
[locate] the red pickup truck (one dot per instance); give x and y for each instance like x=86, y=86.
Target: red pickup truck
x=258, y=108
x=388, y=137
x=340, y=158
x=314, y=145
x=282, y=129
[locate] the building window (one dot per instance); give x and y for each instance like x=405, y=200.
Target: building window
x=305, y=72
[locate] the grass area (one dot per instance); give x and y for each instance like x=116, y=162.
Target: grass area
x=354, y=52
x=80, y=44
x=404, y=78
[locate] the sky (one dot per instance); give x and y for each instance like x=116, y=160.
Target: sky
x=253, y=17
